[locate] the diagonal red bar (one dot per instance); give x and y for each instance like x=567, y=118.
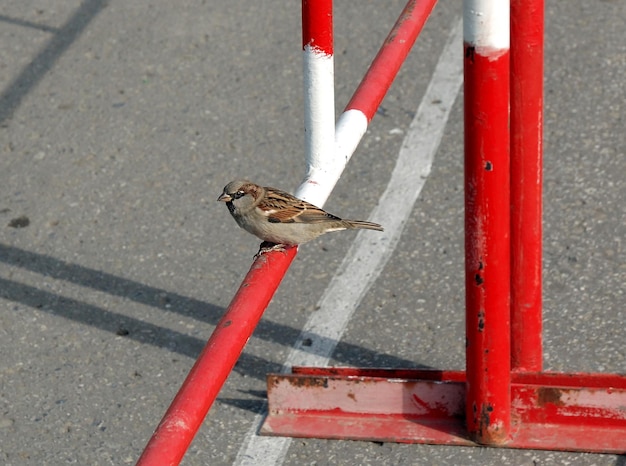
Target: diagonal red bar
x=180, y=423
x=394, y=50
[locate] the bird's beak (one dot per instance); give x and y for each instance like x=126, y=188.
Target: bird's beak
x=224, y=198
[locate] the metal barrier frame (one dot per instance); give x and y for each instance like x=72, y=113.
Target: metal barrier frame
x=503, y=398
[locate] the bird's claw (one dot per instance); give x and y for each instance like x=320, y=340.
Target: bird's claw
x=266, y=246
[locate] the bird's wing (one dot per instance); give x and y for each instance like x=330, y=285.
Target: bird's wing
x=282, y=207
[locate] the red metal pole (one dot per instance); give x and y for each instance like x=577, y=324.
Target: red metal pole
x=200, y=389
x=527, y=21
x=323, y=166
x=317, y=25
x=556, y=411
x=487, y=220
x=384, y=68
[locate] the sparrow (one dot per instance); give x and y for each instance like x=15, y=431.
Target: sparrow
x=279, y=218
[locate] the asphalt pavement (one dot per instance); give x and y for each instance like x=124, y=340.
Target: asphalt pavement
x=120, y=123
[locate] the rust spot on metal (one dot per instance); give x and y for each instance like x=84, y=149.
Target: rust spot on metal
x=304, y=382
x=470, y=51
x=482, y=419
x=550, y=395
x=352, y=396
x=273, y=380
x=404, y=16
x=488, y=166
x=485, y=417
x=228, y=323
x=479, y=279
x=481, y=321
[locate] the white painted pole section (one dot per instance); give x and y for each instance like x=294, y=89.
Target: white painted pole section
x=322, y=178
x=319, y=114
x=486, y=25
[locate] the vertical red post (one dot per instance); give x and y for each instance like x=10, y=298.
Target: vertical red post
x=319, y=85
x=487, y=219
x=317, y=25
x=527, y=23
x=323, y=166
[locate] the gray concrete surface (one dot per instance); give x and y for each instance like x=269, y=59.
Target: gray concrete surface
x=120, y=122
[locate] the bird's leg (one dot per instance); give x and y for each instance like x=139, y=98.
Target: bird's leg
x=266, y=246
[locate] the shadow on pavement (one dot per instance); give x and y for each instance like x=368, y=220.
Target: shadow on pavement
x=146, y=332
x=63, y=37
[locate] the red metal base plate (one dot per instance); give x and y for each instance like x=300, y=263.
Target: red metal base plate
x=550, y=411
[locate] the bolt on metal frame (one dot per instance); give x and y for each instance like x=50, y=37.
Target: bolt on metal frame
x=503, y=398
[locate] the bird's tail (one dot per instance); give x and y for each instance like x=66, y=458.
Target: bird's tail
x=360, y=224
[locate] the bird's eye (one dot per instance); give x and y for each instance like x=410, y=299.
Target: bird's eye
x=238, y=195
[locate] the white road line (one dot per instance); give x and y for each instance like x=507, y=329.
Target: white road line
x=369, y=253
